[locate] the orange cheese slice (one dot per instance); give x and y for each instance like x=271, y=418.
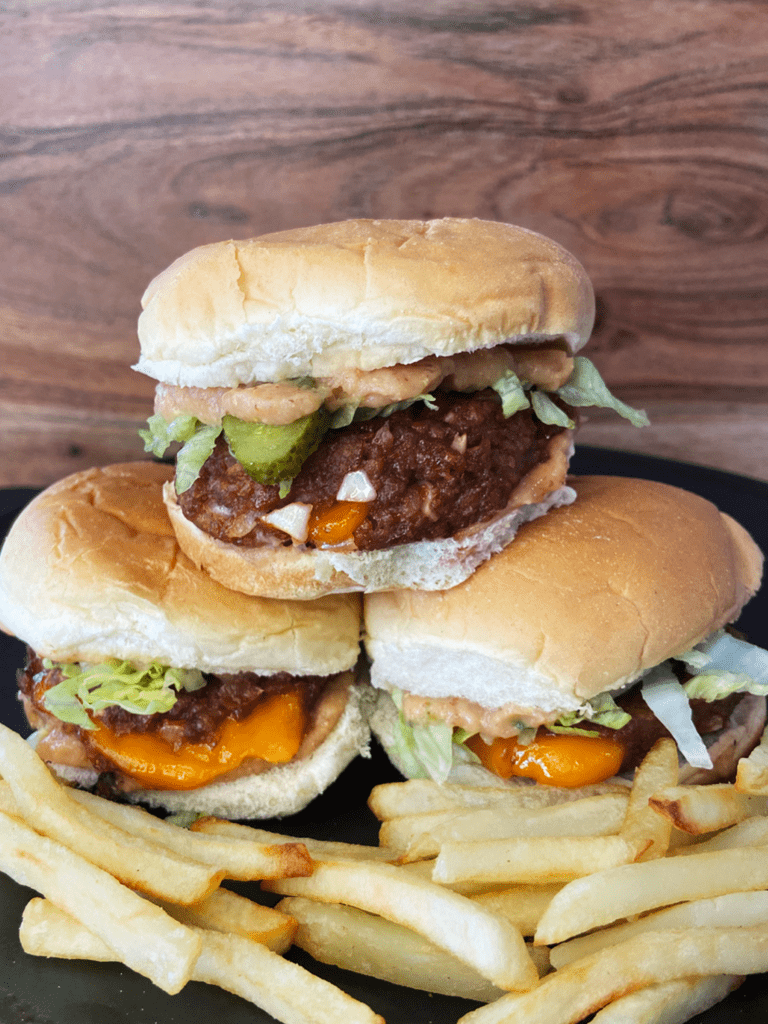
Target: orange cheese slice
x=553, y=760
x=273, y=732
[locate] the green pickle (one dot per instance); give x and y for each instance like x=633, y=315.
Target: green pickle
x=271, y=453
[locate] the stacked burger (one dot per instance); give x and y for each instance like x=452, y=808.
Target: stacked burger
x=368, y=408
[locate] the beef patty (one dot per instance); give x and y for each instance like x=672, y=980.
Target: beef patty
x=435, y=472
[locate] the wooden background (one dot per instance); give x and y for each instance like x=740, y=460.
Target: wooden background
x=635, y=133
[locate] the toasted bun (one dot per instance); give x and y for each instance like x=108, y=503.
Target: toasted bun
x=586, y=599
x=91, y=569
x=305, y=573
x=357, y=294
x=284, y=789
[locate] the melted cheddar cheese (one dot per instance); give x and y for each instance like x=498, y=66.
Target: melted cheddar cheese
x=554, y=760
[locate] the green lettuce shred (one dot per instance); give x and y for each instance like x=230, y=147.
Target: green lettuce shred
x=192, y=455
x=585, y=386
x=160, y=435
x=198, y=440
x=354, y=413
x=548, y=412
x=140, y=691
x=512, y=392
x=600, y=710
x=427, y=750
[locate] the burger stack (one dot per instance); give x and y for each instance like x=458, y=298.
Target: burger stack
x=362, y=416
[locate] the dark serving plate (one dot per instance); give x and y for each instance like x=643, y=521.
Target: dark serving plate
x=73, y=992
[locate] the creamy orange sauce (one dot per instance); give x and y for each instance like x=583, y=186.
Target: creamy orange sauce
x=283, y=403
x=466, y=714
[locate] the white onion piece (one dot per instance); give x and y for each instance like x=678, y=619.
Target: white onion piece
x=292, y=519
x=667, y=699
x=459, y=443
x=356, y=487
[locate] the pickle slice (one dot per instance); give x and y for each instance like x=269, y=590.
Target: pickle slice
x=271, y=453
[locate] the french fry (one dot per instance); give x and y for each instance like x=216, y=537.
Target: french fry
x=227, y=911
x=420, y=796
x=585, y=986
x=145, y=938
x=248, y=969
x=521, y=905
x=143, y=865
x=530, y=860
x=319, y=849
x=750, y=832
x=707, y=808
x=243, y=861
x=620, y=892
x=454, y=923
x=642, y=825
x=283, y=989
x=419, y=836
x=752, y=771
x=672, y=1002
x=46, y=930
x=362, y=942
x=732, y=910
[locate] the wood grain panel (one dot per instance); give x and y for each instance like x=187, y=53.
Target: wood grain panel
x=636, y=133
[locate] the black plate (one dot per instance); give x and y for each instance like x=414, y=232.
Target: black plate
x=71, y=992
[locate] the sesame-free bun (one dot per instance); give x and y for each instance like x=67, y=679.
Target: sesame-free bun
x=275, y=793
x=587, y=598
x=357, y=294
x=91, y=569
x=307, y=573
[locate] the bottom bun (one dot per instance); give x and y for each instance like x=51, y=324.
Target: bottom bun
x=306, y=573
x=280, y=791
x=725, y=747
x=300, y=572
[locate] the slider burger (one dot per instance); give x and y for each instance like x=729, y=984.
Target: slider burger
x=150, y=679
x=366, y=405
x=567, y=655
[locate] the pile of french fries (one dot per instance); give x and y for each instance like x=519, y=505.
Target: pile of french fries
x=636, y=903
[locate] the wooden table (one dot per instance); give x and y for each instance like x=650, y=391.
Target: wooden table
x=635, y=133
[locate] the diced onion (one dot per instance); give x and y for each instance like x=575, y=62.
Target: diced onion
x=292, y=519
x=356, y=486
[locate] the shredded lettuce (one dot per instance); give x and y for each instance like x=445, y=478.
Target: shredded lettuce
x=140, y=691
x=585, y=386
x=600, y=710
x=427, y=750
x=355, y=413
x=198, y=440
x=183, y=819
x=192, y=455
x=160, y=435
x=548, y=412
x=665, y=696
x=512, y=392
x=727, y=665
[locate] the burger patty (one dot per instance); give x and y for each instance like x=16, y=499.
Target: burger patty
x=197, y=716
x=435, y=472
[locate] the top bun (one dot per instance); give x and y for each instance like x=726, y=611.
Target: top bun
x=586, y=599
x=357, y=294
x=91, y=569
